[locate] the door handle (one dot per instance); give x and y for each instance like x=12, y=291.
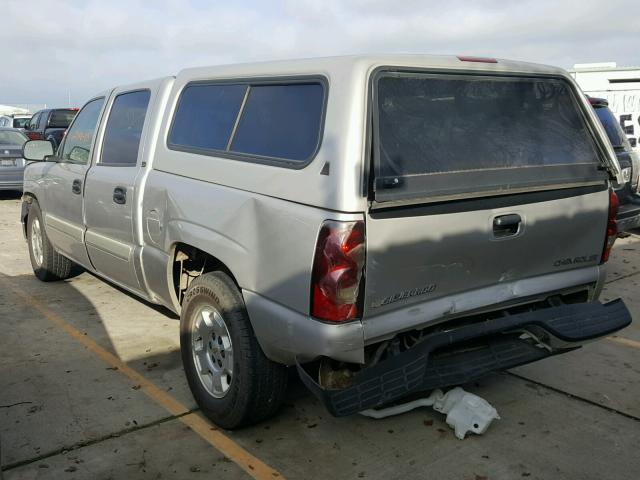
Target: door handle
x=506, y=225
x=120, y=195
x=76, y=186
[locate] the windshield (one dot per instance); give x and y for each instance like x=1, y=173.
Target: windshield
x=61, y=118
x=614, y=131
x=8, y=137
x=20, y=122
x=449, y=134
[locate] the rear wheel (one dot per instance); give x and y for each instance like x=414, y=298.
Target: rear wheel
x=48, y=265
x=231, y=379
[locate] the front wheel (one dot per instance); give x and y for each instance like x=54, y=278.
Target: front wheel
x=48, y=265
x=231, y=379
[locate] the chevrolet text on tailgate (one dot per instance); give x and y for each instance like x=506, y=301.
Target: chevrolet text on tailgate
x=385, y=224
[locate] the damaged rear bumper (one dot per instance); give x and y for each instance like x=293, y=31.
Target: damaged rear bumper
x=424, y=366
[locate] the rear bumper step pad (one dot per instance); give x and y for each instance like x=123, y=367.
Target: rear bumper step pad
x=417, y=369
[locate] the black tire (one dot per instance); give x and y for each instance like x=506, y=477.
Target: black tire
x=53, y=265
x=258, y=385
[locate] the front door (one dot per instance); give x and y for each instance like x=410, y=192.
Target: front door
x=65, y=185
x=110, y=199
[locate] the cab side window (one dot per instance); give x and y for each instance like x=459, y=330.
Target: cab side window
x=33, y=123
x=42, y=121
x=77, y=143
x=124, y=129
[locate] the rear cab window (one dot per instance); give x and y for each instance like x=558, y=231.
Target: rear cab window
x=123, y=131
x=275, y=123
x=61, y=118
x=446, y=135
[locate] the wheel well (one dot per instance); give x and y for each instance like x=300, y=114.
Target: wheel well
x=189, y=263
x=27, y=198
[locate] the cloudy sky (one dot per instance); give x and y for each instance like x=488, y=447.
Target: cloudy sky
x=50, y=49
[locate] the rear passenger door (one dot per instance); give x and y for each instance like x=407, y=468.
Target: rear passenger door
x=110, y=195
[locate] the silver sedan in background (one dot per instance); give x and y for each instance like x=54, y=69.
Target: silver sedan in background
x=11, y=162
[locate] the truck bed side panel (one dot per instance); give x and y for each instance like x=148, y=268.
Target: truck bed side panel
x=266, y=243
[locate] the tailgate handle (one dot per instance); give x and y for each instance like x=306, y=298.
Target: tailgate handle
x=506, y=225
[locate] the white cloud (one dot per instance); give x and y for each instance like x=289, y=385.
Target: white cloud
x=88, y=46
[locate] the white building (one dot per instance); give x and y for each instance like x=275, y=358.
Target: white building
x=620, y=86
x=12, y=110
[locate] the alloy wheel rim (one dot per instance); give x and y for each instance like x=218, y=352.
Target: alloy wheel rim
x=212, y=351
x=36, y=242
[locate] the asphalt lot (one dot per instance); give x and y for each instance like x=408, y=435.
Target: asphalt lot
x=91, y=387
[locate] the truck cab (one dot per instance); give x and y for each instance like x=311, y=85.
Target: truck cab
x=50, y=124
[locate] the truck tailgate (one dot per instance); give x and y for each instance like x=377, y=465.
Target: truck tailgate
x=416, y=254
x=479, y=180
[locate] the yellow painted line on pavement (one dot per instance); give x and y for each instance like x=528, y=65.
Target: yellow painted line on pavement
x=627, y=342
x=225, y=445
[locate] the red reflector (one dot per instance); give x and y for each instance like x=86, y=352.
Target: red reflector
x=337, y=271
x=477, y=59
x=612, y=226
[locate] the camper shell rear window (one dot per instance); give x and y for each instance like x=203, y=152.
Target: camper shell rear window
x=453, y=135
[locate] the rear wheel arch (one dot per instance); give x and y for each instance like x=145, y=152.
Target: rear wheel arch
x=188, y=262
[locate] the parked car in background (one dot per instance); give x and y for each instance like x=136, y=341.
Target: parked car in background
x=50, y=124
x=11, y=162
x=629, y=201
x=19, y=121
x=619, y=86
x=324, y=214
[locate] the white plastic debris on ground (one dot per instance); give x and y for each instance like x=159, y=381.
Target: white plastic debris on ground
x=465, y=411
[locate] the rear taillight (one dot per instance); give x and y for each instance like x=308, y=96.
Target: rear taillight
x=34, y=135
x=612, y=226
x=337, y=271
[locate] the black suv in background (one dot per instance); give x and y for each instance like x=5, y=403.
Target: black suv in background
x=50, y=124
x=629, y=210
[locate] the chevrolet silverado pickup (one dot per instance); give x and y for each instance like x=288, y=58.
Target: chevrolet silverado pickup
x=382, y=224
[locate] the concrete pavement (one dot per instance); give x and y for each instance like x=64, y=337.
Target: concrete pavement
x=68, y=411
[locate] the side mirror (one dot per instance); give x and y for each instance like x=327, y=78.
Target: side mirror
x=37, y=150
x=79, y=155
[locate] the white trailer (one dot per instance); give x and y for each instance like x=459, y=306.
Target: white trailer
x=620, y=86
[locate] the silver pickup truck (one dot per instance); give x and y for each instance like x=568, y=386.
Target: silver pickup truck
x=385, y=224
